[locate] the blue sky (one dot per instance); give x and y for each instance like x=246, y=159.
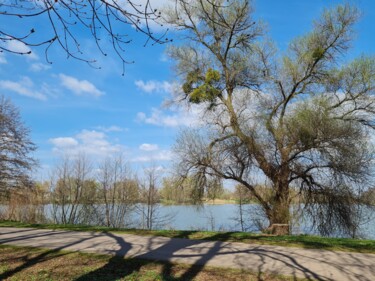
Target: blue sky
x=70, y=106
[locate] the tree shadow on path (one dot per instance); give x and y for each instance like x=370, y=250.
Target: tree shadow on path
x=114, y=269
x=133, y=255
x=39, y=258
x=198, y=257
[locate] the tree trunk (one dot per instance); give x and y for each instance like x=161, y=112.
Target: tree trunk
x=279, y=216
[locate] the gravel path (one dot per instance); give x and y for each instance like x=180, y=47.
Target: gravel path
x=303, y=263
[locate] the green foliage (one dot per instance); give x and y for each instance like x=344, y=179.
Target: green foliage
x=308, y=122
x=318, y=53
x=202, y=89
x=175, y=191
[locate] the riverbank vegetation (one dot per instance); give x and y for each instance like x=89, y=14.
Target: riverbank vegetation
x=301, y=241
x=110, y=194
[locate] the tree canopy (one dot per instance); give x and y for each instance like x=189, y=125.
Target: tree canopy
x=300, y=119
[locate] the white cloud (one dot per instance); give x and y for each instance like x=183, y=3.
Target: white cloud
x=154, y=86
x=148, y=147
x=23, y=87
x=111, y=129
x=180, y=117
x=64, y=142
x=3, y=60
x=164, y=58
x=37, y=67
x=91, y=143
x=19, y=47
x=163, y=155
x=79, y=87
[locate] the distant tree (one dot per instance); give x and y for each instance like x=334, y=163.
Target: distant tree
x=119, y=191
x=186, y=190
x=149, y=195
x=242, y=196
x=149, y=207
x=106, y=21
x=300, y=120
x=15, y=148
x=27, y=204
x=73, y=192
x=174, y=191
x=214, y=189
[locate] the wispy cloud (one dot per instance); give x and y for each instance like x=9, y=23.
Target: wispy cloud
x=64, y=142
x=79, y=87
x=164, y=58
x=3, y=60
x=89, y=142
x=24, y=87
x=180, y=117
x=148, y=147
x=38, y=66
x=163, y=155
x=19, y=47
x=110, y=129
x=153, y=86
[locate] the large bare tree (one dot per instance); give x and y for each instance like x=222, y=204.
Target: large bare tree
x=108, y=21
x=16, y=147
x=298, y=119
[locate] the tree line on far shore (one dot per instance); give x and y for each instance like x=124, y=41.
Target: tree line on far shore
x=79, y=192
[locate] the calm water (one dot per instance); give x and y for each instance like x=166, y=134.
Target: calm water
x=219, y=218
x=223, y=217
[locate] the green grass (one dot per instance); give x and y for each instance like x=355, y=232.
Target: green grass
x=25, y=263
x=302, y=241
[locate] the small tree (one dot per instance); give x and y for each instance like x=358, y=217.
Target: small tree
x=242, y=197
x=185, y=190
x=299, y=120
x=149, y=209
x=27, y=204
x=15, y=148
x=73, y=193
x=118, y=190
x=149, y=195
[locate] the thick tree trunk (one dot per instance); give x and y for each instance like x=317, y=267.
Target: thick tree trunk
x=279, y=216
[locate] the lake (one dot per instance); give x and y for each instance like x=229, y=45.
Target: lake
x=221, y=218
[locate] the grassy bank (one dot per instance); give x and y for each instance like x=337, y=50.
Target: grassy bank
x=302, y=241
x=20, y=263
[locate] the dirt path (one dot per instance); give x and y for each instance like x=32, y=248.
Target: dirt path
x=310, y=264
